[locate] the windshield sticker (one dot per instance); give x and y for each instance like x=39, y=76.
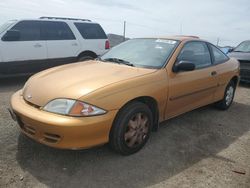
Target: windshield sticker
x=166, y=41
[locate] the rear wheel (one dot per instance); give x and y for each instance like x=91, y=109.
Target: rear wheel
x=131, y=128
x=85, y=58
x=226, y=102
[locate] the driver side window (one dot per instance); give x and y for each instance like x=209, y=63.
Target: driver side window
x=196, y=52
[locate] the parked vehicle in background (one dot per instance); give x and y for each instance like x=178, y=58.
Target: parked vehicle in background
x=123, y=95
x=29, y=46
x=225, y=49
x=242, y=53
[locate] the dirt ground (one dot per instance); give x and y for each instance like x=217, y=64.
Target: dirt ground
x=202, y=148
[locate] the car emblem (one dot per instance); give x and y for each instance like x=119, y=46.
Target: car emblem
x=29, y=96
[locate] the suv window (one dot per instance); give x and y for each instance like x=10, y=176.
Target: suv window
x=56, y=30
x=29, y=30
x=91, y=31
x=219, y=56
x=197, y=53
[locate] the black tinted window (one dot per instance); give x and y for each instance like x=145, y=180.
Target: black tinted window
x=197, y=53
x=219, y=56
x=91, y=31
x=56, y=31
x=29, y=30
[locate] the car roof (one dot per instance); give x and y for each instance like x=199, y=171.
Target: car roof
x=178, y=37
x=59, y=19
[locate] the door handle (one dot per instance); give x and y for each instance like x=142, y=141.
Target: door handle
x=213, y=73
x=37, y=45
x=74, y=44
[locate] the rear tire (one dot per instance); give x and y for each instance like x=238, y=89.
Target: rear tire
x=85, y=58
x=131, y=128
x=226, y=102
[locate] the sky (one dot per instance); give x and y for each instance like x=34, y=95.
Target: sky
x=223, y=21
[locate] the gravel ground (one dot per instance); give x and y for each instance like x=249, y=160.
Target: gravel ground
x=202, y=148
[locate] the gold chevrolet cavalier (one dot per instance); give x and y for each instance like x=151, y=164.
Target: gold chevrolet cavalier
x=121, y=97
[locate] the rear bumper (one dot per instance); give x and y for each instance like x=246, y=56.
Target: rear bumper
x=61, y=131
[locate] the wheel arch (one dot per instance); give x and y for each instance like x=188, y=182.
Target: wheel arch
x=151, y=103
x=87, y=53
x=235, y=80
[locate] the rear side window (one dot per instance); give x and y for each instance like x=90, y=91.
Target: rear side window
x=197, y=53
x=91, y=31
x=52, y=30
x=219, y=56
x=29, y=30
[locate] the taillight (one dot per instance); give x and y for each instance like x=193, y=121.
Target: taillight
x=107, y=45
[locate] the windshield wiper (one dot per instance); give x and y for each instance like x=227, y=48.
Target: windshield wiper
x=119, y=61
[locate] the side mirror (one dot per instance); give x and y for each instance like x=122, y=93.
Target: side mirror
x=11, y=35
x=183, y=66
x=230, y=50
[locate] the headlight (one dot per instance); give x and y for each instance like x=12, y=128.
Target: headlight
x=72, y=108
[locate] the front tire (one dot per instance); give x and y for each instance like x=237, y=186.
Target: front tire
x=226, y=102
x=131, y=128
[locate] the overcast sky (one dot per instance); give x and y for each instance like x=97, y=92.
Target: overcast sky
x=228, y=20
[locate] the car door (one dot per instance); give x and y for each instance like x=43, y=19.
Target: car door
x=191, y=89
x=223, y=69
x=61, y=43
x=24, y=53
x=93, y=37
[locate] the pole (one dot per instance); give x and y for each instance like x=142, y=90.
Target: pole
x=181, y=28
x=124, y=30
x=218, y=40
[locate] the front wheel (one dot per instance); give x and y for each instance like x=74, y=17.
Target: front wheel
x=226, y=102
x=131, y=128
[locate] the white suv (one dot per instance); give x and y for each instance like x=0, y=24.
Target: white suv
x=28, y=46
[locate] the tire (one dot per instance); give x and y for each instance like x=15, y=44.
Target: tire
x=85, y=58
x=226, y=102
x=131, y=128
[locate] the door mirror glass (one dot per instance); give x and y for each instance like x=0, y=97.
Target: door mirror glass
x=11, y=35
x=184, y=66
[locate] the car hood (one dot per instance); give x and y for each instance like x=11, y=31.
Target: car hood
x=76, y=80
x=240, y=55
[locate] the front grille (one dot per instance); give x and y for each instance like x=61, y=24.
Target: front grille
x=36, y=133
x=29, y=130
x=245, y=73
x=26, y=128
x=244, y=64
x=52, y=138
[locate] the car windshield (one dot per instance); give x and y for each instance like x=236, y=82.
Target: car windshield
x=4, y=26
x=148, y=53
x=243, y=47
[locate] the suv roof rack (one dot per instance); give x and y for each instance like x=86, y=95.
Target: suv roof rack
x=63, y=18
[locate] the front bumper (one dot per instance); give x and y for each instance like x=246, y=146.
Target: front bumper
x=61, y=131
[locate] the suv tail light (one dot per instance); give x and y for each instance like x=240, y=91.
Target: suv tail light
x=107, y=45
